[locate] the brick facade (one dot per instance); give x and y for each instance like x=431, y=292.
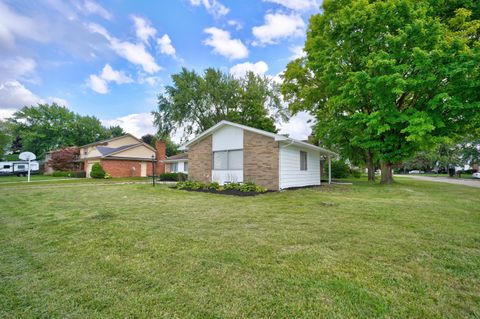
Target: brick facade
x=260, y=160
x=160, y=154
x=125, y=168
x=200, y=159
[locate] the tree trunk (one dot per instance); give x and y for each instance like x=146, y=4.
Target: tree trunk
x=370, y=167
x=387, y=175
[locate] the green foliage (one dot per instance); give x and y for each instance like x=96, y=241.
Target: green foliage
x=356, y=173
x=190, y=185
x=45, y=127
x=173, y=177
x=115, y=131
x=242, y=187
x=340, y=169
x=4, y=139
x=213, y=186
x=197, y=102
x=97, y=171
x=76, y=174
x=387, y=78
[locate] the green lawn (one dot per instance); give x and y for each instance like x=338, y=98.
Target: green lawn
x=20, y=179
x=107, y=251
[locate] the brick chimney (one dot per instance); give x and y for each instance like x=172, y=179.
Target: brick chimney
x=161, y=154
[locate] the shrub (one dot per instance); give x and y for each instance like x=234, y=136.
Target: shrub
x=231, y=186
x=169, y=177
x=340, y=169
x=248, y=187
x=182, y=177
x=245, y=187
x=76, y=174
x=173, y=177
x=213, y=186
x=193, y=185
x=356, y=173
x=97, y=171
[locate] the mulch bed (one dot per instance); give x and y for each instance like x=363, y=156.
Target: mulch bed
x=227, y=192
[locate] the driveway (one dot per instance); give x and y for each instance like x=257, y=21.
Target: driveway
x=458, y=181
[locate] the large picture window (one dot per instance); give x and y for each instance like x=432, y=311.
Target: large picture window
x=228, y=160
x=303, y=161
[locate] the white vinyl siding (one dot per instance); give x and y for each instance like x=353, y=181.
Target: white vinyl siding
x=291, y=174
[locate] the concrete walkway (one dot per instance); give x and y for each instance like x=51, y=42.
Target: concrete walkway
x=458, y=181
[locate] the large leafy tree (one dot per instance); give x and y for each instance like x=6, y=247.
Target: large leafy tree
x=45, y=127
x=4, y=139
x=196, y=102
x=386, y=79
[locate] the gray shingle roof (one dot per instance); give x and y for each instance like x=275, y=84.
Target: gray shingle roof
x=109, y=150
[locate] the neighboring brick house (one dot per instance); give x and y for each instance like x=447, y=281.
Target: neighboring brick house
x=230, y=152
x=124, y=156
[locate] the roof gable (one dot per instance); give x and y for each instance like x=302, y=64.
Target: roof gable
x=277, y=137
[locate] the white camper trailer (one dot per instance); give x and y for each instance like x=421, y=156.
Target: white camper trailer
x=19, y=168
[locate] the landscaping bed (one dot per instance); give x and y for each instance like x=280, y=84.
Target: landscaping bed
x=235, y=189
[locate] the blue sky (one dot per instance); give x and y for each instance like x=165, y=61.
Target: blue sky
x=112, y=58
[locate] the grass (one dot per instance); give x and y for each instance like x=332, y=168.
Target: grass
x=20, y=179
x=407, y=250
x=11, y=181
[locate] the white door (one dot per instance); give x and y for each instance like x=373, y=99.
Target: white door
x=89, y=169
x=143, y=169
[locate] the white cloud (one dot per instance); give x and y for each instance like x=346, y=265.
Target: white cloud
x=298, y=127
x=297, y=52
x=111, y=75
x=136, y=124
x=99, y=83
x=144, y=29
x=14, y=96
x=213, y=7
x=297, y=5
x=165, y=45
x=92, y=7
x=236, y=24
x=278, y=26
x=223, y=44
x=241, y=69
x=133, y=52
x=19, y=68
x=13, y=24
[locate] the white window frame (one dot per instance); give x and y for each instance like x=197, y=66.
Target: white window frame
x=228, y=164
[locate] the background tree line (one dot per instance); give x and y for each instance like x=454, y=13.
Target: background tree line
x=45, y=127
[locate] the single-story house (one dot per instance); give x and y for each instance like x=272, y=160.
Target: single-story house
x=124, y=156
x=230, y=152
x=177, y=163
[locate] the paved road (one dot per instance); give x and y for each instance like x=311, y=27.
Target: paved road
x=458, y=181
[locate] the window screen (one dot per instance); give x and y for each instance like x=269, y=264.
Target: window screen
x=185, y=166
x=220, y=160
x=303, y=161
x=174, y=167
x=225, y=160
x=235, y=159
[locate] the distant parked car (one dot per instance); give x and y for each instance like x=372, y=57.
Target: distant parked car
x=416, y=171
x=476, y=175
